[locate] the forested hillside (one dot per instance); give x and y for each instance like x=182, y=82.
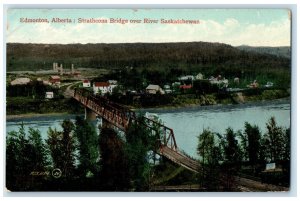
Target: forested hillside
x=283, y=51
x=189, y=57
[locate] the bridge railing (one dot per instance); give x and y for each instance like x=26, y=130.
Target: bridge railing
x=121, y=116
x=166, y=133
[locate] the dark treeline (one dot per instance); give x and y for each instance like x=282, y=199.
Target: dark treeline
x=86, y=161
x=112, y=161
x=191, y=56
x=244, y=153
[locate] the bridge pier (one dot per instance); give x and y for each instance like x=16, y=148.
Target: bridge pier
x=90, y=115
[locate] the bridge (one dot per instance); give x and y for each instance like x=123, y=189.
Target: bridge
x=121, y=117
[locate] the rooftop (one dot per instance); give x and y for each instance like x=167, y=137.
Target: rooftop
x=101, y=84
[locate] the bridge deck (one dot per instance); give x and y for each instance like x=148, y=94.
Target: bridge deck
x=180, y=159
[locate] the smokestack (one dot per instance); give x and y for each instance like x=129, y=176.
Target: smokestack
x=54, y=66
x=61, y=69
x=72, y=69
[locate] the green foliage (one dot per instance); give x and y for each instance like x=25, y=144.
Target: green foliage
x=274, y=141
x=25, y=105
x=210, y=154
x=25, y=154
x=34, y=89
x=250, y=140
x=113, y=163
x=139, y=141
x=62, y=146
x=88, y=147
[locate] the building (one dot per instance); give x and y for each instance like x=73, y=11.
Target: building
x=49, y=95
x=153, y=89
x=101, y=87
x=20, y=81
x=54, y=80
x=199, y=76
x=86, y=83
x=189, y=86
x=186, y=77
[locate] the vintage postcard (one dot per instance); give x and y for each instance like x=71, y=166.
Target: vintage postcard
x=148, y=100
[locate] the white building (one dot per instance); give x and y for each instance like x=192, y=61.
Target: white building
x=199, y=76
x=153, y=89
x=101, y=87
x=49, y=95
x=86, y=83
x=186, y=77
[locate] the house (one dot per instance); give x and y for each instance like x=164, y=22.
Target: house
x=199, y=76
x=101, y=87
x=186, y=77
x=185, y=86
x=21, y=81
x=167, y=89
x=54, y=80
x=49, y=95
x=153, y=89
x=221, y=82
x=86, y=83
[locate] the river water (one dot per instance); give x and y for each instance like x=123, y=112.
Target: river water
x=188, y=123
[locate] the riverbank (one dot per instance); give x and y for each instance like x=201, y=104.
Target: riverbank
x=159, y=109
x=29, y=115
x=216, y=106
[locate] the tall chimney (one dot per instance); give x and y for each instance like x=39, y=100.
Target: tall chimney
x=72, y=69
x=54, y=66
x=61, y=69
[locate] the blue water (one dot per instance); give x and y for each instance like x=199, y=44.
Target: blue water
x=188, y=123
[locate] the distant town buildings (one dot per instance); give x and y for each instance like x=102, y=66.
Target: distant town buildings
x=154, y=89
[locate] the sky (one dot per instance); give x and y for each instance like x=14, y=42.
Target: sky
x=254, y=27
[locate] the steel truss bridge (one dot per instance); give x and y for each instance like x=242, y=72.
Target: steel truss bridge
x=121, y=117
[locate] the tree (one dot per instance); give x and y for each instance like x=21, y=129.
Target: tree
x=251, y=143
x=274, y=141
x=113, y=163
x=25, y=155
x=62, y=148
x=68, y=148
x=54, y=146
x=232, y=155
x=88, y=147
x=210, y=154
x=139, y=141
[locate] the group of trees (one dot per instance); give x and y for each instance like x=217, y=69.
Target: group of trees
x=34, y=89
x=112, y=161
x=225, y=155
x=84, y=160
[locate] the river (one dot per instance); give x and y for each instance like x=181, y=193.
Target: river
x=188, y=123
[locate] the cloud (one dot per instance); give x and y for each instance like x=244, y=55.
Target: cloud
x=231, y=31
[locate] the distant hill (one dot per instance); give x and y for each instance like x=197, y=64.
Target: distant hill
x=192, y=55
x=283, y=51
